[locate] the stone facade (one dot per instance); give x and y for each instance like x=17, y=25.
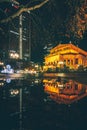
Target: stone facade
x=67, y=55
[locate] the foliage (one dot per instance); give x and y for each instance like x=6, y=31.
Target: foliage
x=72, y=22
x=77, y=25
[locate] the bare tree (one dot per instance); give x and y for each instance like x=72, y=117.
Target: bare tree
x=21, y=10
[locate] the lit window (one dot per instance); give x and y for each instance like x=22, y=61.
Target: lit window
x=71, y=62
x=68, y=62
x=76, y=61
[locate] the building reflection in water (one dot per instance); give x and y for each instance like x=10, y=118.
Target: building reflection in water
x=24, y=107
x=64, y=91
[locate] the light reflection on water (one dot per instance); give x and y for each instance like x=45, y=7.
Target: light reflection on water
x=43, y=104
x=65, y=91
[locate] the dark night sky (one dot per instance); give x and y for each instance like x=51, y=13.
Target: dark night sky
x=49, y=25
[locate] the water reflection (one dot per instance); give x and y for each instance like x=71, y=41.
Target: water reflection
x=15, y=95
x=30, y=104
x=64, y=91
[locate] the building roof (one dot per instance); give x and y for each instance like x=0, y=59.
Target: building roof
x=69, y=47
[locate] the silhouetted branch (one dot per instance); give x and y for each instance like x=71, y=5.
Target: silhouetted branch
x=23, y=9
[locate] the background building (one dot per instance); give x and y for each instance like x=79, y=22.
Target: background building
x=19, y=34
x=66, y=55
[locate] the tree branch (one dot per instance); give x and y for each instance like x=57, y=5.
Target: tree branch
x=23, y=9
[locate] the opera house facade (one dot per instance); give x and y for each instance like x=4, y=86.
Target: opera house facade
x=67, y=55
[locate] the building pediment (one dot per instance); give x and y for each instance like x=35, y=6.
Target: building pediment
x=69, y=51
x=67, y=48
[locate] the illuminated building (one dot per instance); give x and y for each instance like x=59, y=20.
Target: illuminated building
x=66, y=55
